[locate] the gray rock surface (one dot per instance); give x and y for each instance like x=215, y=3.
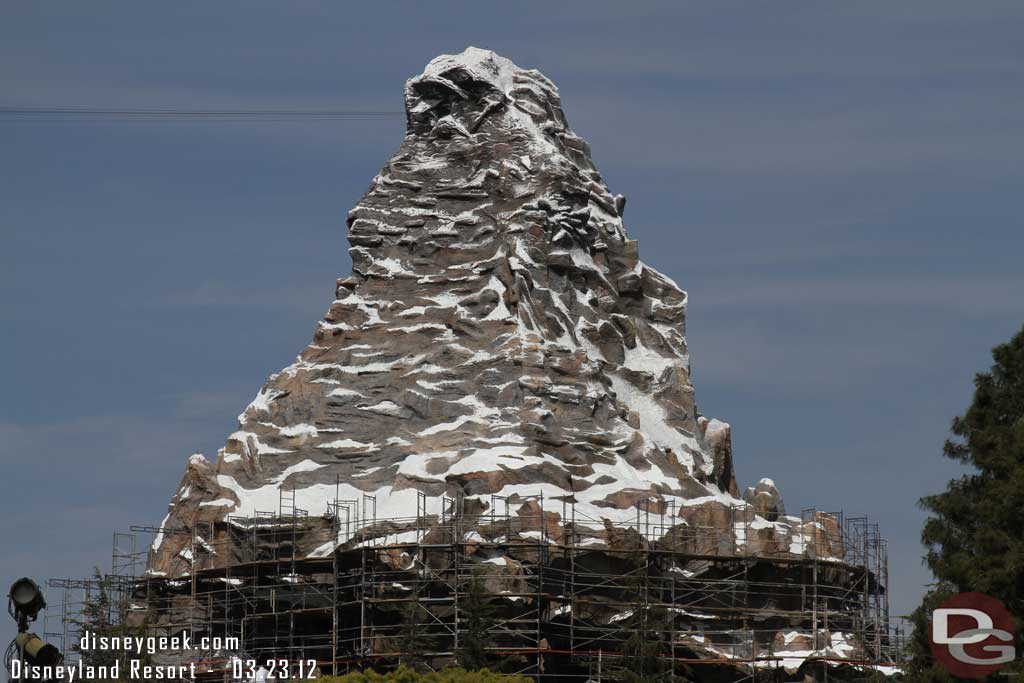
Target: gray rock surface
x=498, y=334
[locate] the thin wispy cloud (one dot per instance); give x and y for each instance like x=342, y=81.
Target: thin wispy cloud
x=311, y=299
x=968, y=297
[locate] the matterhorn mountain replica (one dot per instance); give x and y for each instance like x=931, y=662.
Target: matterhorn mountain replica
x=503, y=377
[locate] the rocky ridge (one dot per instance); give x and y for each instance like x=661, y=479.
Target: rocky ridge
x=498, y=336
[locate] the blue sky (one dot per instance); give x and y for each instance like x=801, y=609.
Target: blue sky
x=837, y=186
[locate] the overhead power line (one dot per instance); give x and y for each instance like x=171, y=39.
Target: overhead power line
x=114, y=114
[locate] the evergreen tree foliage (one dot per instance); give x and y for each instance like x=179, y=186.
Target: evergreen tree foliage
x=100, y=616
x=645, y=649
x=975, y=532
x=922, y=667
x=414, y=638
x=647, y=645
x=476, y=621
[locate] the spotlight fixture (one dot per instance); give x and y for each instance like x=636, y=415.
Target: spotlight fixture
x=26, y=598
x=36, y=652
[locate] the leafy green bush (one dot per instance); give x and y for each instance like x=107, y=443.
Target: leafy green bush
x=404, y=674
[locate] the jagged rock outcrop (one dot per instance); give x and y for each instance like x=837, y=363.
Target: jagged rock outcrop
x=765, y=499
x=498, y=334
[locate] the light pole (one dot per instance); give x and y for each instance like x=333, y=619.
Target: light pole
x=24, y=603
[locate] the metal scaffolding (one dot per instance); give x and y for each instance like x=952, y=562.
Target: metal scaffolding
x=560, y=596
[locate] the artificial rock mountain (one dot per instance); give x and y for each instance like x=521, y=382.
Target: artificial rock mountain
x=498, y=335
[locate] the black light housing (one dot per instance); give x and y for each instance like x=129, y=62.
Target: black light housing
x=27, y=598
x=35, y=651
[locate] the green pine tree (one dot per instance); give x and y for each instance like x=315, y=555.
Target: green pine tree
x=103, y=617
x=645, y=649
x=414, y=640
x=97, y=617
x=975, y=532
x=476, y=624
x=922, y=668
